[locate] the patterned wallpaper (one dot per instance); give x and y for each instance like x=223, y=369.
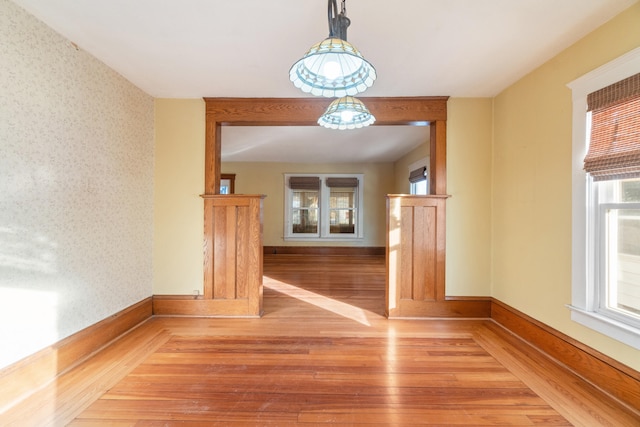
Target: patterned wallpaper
x=76, y=188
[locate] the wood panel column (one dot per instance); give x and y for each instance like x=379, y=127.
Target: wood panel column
x=415, y=254
x=233, y=253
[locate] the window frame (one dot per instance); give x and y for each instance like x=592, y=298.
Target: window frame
x=586, y=221
x=324, y=210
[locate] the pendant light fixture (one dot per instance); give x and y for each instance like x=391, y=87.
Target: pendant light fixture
x=333, y=67
x=346, y=113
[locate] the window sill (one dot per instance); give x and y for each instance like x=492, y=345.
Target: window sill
x=323, y=239
x=607, y=326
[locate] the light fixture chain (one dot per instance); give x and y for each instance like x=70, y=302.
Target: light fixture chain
x=333, y=18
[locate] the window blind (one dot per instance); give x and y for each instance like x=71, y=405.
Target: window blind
x=304, y=183
x=418, y=175
x=614, y=149
x=342, y=182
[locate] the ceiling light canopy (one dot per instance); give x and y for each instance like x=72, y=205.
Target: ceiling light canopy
x=346, y=113
x=333, y=67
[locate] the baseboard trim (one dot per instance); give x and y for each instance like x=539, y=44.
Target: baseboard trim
x=324, y=250
x=609, y=375
x=452, y=307
x=23, y=378
x=190, y=306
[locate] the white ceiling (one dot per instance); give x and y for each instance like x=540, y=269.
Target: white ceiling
x=244, y=48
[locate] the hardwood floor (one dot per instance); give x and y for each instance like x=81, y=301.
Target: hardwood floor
x=322, y=354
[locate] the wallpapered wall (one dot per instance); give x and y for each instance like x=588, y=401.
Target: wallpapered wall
x=76, y=188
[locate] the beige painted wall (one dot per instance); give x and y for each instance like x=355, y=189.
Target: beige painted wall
x=532, y=184
x=268, y=179
x=469, y=134
x=178, y=207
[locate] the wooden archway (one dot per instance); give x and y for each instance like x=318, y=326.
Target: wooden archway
x=409, y=111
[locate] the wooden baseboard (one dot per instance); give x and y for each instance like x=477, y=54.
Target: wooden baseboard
x=324, y=250
x=189, y=306
x=19, y=380
x=452, y=307
x=611, y=376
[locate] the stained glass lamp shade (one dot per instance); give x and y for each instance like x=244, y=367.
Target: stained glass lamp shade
x=346, y=113
x=332, y=68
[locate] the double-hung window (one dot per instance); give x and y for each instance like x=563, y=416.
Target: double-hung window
x=323, y=206
x=418, y=183
x=606, y=200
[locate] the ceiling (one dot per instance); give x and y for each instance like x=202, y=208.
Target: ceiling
x=244, y=48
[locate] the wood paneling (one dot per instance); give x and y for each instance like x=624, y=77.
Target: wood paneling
x=233, y=260
x=19, y=380
x=415, y=256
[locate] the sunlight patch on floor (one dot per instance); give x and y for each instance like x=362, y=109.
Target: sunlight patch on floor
x=337, y=307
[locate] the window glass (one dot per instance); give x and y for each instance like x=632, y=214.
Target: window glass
x=620, y=252
x=420, y=188
x=342, y=215
x=305, y=211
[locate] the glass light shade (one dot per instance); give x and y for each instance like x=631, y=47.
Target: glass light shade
x=332, y=68
x=346, y=113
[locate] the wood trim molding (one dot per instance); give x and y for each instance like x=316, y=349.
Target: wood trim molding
x=325, y=250
x=190, y=306
x=611, y=376
x=410, y=111
x=21, y=379
x=452, y=308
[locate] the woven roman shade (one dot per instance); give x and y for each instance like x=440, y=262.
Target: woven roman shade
x=614, y=149
x=342, y=182
x=418, y=175
x=304, y=183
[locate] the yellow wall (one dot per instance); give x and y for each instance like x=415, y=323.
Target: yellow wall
x=178, y=207
x=402, y=165
x=469, y=133
x=532, y=184
x=268, y=179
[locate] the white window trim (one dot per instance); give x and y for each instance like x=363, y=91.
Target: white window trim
x=324, y=235
x=584, y=304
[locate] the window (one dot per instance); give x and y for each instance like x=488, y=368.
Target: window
x=323, y=207
x=227, y=183
x=418, y=178
x=617, y=249
x=606, y=199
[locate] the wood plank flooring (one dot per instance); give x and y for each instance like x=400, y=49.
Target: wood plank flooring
x=322, y=354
